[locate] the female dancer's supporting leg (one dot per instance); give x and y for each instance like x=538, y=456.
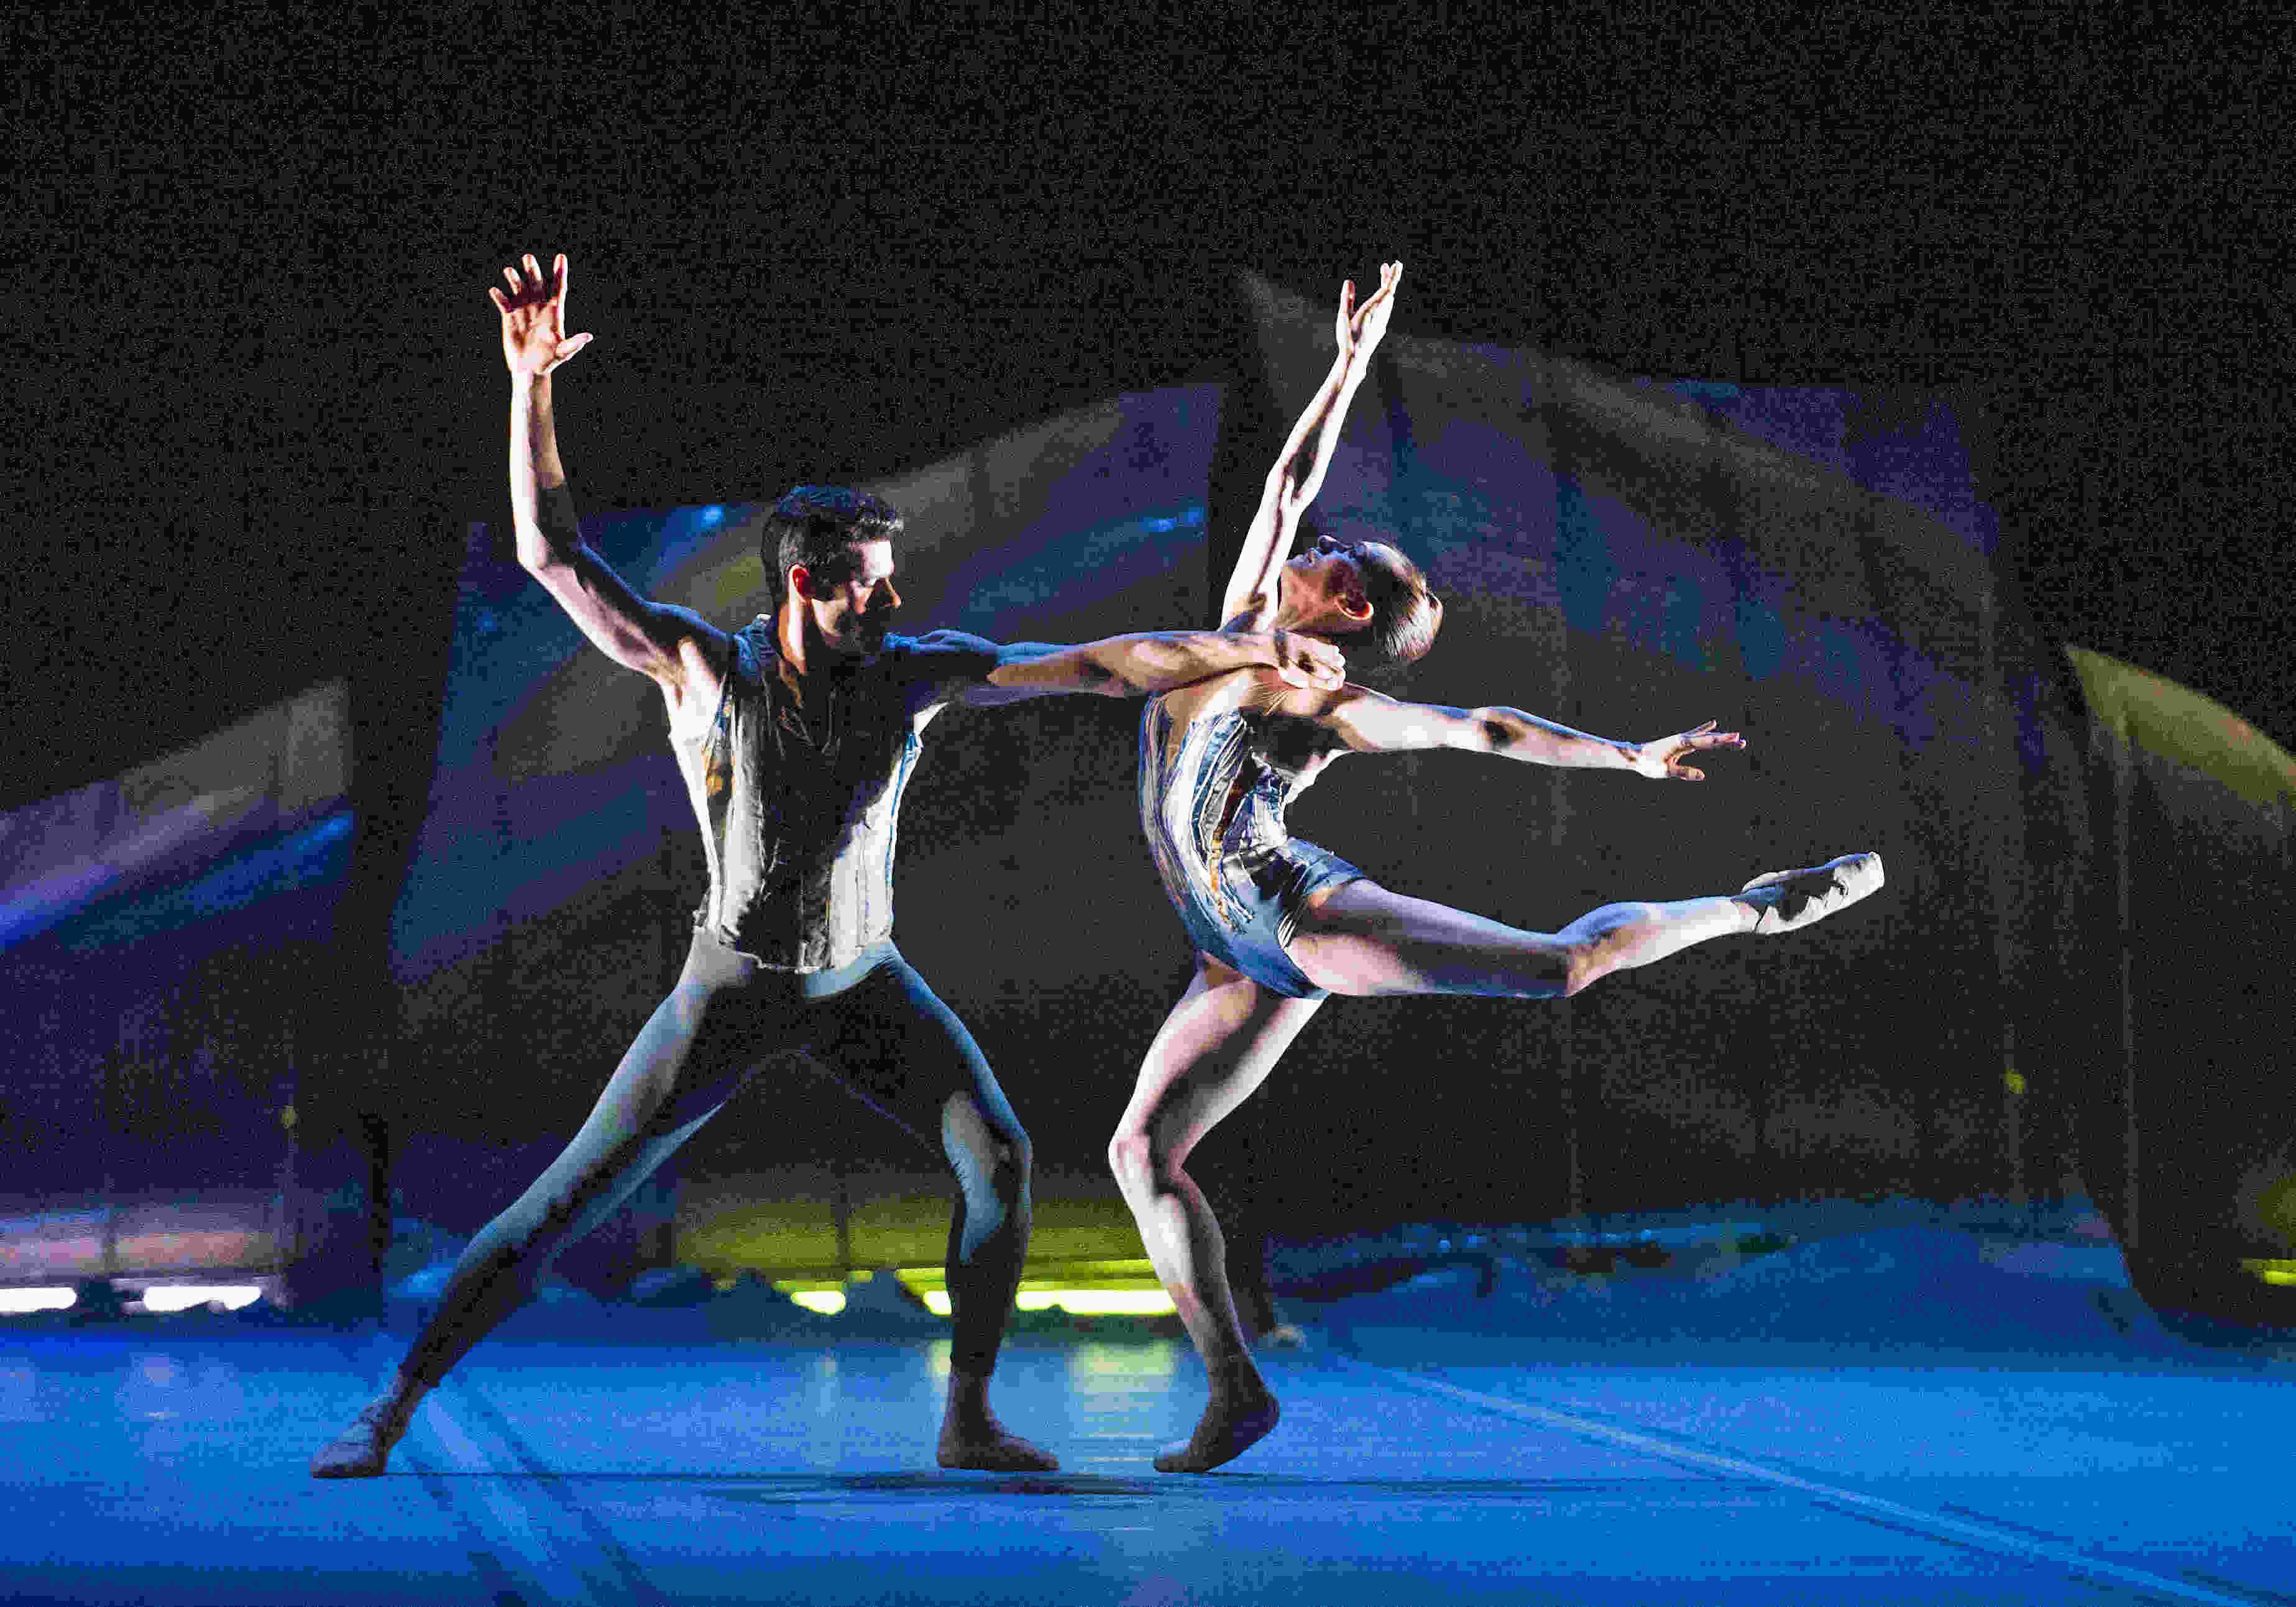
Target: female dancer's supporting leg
x=1220, y=1043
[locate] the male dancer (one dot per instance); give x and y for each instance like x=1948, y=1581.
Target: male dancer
x=796, y=736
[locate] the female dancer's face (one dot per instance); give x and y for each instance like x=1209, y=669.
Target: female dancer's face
x=1324, y=586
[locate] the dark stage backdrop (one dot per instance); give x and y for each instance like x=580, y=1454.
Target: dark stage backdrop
x=2079, y=960
x=164, y=991
x=1810, y=566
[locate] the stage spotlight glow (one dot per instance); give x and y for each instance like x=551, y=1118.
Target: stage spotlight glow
x=713, y=514
x=1103, y=1288
x=16, y=1300
x=181, y=1297
x=829, y=1302
x=1098, y=1302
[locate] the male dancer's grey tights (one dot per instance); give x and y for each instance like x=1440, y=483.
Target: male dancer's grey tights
x=873, y=1024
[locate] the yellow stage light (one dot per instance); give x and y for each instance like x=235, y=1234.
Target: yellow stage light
x=1098, y=1302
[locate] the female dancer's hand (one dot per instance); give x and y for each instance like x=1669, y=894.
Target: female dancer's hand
x=1661, y=758
x=1360, y=328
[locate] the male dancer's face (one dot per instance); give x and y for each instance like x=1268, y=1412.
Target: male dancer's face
x=852, y=615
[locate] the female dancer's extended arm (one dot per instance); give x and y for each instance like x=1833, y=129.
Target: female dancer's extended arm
x=1298, y=474
x=1370, y=722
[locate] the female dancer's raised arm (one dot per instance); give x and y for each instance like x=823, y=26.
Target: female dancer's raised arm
x=1299, y=472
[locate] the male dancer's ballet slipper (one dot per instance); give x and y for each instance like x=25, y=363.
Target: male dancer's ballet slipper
x=1798, y=899
x=1000, y=1451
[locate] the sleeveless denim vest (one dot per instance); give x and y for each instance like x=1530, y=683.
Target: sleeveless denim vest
x=798, y=813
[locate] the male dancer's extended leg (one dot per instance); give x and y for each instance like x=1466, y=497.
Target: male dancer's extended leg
x=1220, y=1043
x=1360, y=938
x=685, y=1063
x=898, y=1047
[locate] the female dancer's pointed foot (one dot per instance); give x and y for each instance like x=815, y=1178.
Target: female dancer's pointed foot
x=1228, y=1429
x=361, y=1450
x=988, y=1446
x=1790, y=900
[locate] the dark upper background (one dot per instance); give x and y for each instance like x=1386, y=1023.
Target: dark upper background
x=256, y=387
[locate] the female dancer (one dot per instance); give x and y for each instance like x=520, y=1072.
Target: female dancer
x=1280, y=924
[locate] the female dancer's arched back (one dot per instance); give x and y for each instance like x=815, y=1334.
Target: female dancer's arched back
x=1280, y=924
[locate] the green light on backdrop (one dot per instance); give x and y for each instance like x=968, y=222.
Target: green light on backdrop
x=2277, y=1204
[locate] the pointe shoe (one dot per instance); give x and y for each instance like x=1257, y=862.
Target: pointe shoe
x=361, y=1450
x=1803, y=898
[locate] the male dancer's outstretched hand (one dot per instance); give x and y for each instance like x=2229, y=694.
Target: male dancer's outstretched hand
x=1662, y=757
x=534, y=319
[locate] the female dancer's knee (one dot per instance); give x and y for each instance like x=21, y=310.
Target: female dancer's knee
x=1131, y=1159
x=1145, y=1166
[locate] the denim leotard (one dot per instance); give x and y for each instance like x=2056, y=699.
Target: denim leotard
x=1237, y=884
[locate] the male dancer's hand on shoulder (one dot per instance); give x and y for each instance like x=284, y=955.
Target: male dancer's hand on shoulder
x=1300, y=660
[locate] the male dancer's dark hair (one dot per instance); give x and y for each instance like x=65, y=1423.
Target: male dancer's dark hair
x=814, y=526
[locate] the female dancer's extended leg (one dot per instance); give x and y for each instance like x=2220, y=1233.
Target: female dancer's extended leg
x=1360, y=938
x=1220, y=1043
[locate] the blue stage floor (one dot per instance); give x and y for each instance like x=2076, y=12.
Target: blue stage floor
x=1757, y=1433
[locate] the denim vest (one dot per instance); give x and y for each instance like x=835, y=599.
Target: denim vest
x=798, y=805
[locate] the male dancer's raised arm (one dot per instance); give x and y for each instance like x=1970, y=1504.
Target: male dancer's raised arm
x=1251, y=601
x=684, y=654
x=675, y=647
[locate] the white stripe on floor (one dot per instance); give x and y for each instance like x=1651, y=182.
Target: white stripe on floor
x=1960, y=1530
x=519, y=1535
